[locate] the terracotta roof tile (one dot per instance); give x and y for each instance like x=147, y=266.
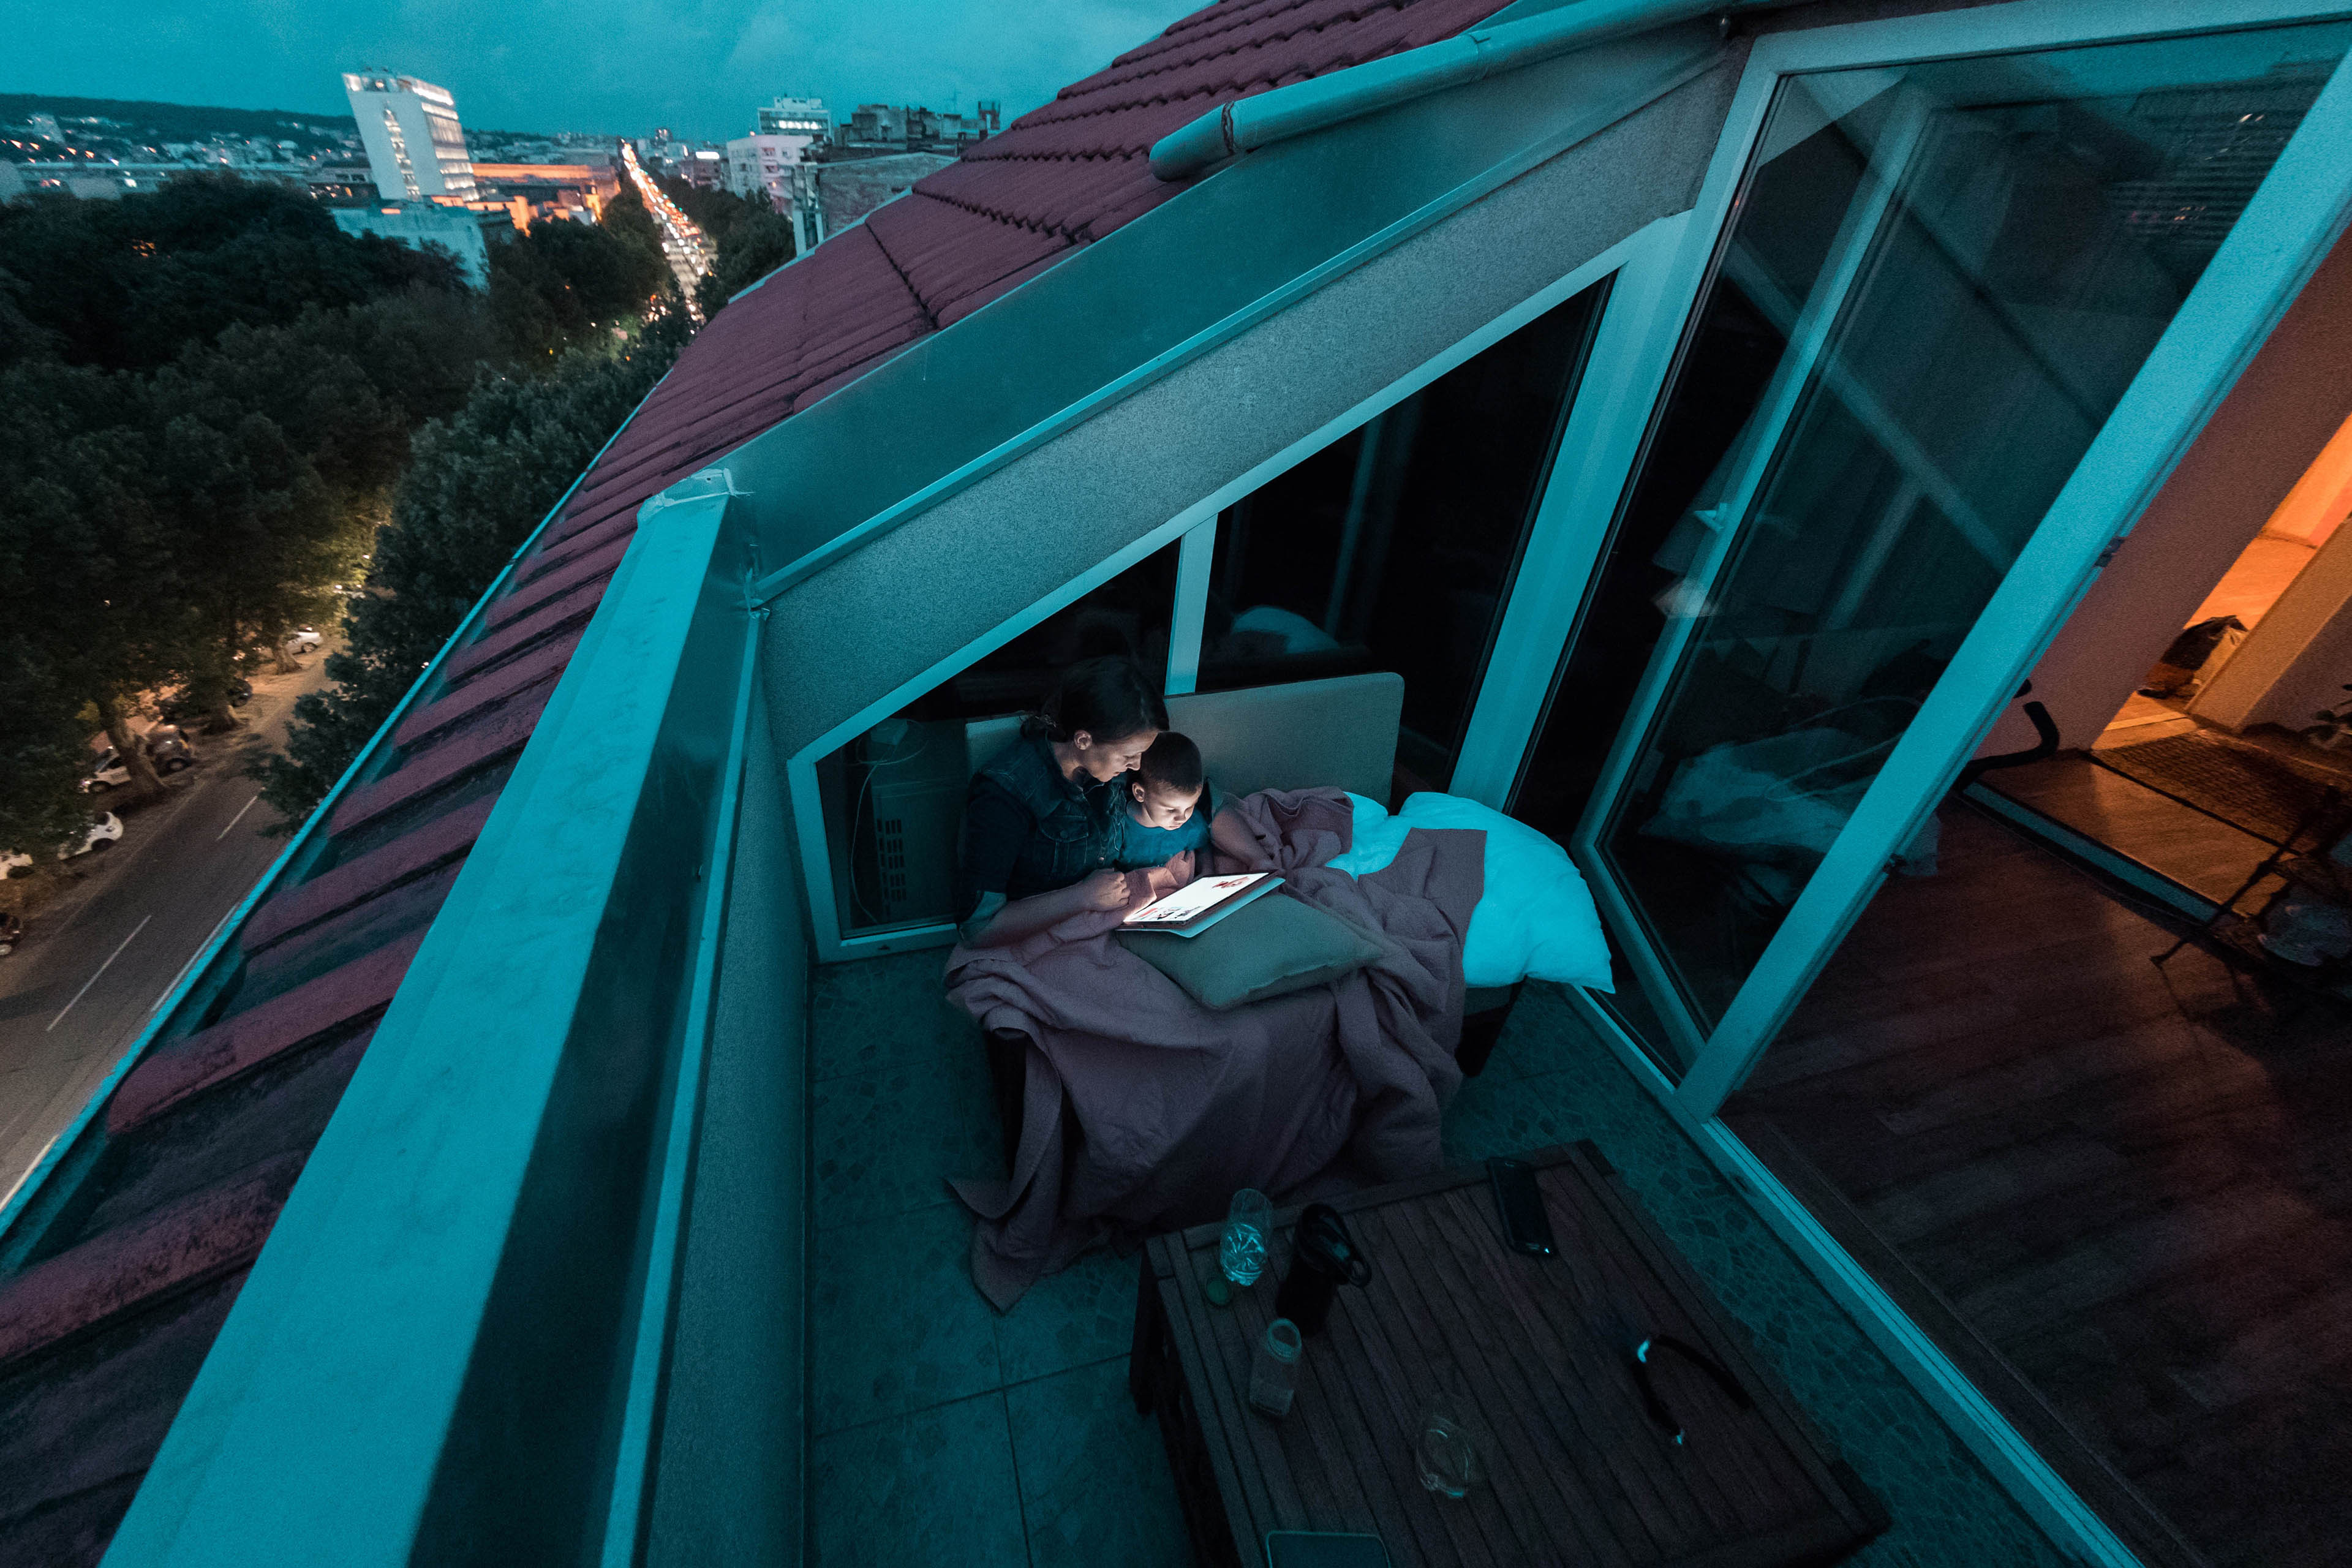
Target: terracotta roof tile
x=478, y=746
x=542, y=664
x=559, y=614
x=245, y=1041
x=435, y=844
x=200, y=1238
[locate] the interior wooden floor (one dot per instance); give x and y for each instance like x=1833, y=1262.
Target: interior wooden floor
x=2176, y=841
x=2134, y=1185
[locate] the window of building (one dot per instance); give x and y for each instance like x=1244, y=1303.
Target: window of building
x=1393, y=548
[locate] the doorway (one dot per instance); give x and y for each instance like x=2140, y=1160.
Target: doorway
x=1865, y=498
x=2208, y=767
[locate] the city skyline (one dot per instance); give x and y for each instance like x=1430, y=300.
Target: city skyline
x=701, y=73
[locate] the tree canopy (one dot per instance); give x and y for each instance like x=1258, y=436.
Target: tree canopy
x=219, y=404
x=126, y=285
x=480, y=483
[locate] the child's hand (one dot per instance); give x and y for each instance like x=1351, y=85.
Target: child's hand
x=1178, y=870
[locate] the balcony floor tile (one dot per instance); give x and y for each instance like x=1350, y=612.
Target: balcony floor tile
x=936, y=1486
x=895, y=1320
x=885, y=1142
x=1095, y=1487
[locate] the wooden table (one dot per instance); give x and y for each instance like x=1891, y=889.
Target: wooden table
x=1578, y=1471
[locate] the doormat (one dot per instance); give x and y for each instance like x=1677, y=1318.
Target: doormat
x=2254, y=790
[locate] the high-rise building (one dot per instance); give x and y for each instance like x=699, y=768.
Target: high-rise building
x=410, y=129
x=795, y=117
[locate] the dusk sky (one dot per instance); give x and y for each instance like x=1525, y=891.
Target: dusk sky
x=697, y=66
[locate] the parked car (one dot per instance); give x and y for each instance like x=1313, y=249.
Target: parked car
x=176, y=708
x=98, y=834
x=107, y=771
x=166, y=748
x=303, y=640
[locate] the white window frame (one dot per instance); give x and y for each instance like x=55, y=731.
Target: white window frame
x=2299, y=213
x=1623, y=342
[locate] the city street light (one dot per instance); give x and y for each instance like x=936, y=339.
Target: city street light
x=682, y=242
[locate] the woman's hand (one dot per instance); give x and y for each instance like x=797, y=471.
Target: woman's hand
x=1024, y=918
x=1104, y=890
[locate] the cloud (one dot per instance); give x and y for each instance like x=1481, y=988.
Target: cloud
x=698, y=66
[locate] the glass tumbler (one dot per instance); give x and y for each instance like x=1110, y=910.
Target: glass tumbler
x=1274, y=1373
x=1448, y=1448
x=1242, y=1252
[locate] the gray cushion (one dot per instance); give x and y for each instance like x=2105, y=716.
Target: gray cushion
x=1270, y=947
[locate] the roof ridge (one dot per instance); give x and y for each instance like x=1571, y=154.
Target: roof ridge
x=923, y=306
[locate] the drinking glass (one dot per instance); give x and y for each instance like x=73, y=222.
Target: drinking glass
x=1242, y=1252
x=1274, y=1373
x=1448, y=1448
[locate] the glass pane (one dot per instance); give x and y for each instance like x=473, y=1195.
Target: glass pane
x=1941, y=280
x=893, y=797
x=1393, y=547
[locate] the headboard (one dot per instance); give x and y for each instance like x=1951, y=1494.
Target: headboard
x=1341, y=732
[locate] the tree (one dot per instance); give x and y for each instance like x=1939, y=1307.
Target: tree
x=91, y=581
x=479, y=483
x=128, y=284
x=211, y=395
x=552, y=287
x=41, y=754
x=753, y=248
x=154, y=528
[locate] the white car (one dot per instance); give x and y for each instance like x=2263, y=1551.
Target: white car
x=107, y=770
x=100, y=835
x=304, y=639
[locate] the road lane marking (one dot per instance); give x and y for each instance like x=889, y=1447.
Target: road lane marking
x=101, y=969
x=164, y=994
x=235, y=820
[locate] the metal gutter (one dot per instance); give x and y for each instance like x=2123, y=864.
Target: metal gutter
x=1248, y=123
x=198, y=971
x=627, y=1516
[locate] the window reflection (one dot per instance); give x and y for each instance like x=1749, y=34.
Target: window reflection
x=1392, y=548
x=1941, y=281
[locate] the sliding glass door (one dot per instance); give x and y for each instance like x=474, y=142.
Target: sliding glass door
x=1941, y=281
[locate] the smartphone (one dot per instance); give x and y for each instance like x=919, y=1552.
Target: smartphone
x=1526, y=1227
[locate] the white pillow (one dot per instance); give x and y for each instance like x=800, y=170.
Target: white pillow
x=1378, y=837
x=1537, y=919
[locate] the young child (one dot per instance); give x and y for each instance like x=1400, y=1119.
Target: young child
x=1167, y=812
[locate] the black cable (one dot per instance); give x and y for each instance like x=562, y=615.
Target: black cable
x=1656, y=1405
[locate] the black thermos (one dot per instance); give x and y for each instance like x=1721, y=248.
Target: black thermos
x=1323, y=1256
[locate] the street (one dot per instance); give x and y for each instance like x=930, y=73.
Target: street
x=97, y=960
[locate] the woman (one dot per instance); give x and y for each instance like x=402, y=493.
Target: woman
x=1040, y=822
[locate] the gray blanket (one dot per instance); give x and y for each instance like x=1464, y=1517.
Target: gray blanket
x=1176, y=1106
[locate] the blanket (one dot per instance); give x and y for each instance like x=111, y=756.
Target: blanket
x=1172, y=1108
